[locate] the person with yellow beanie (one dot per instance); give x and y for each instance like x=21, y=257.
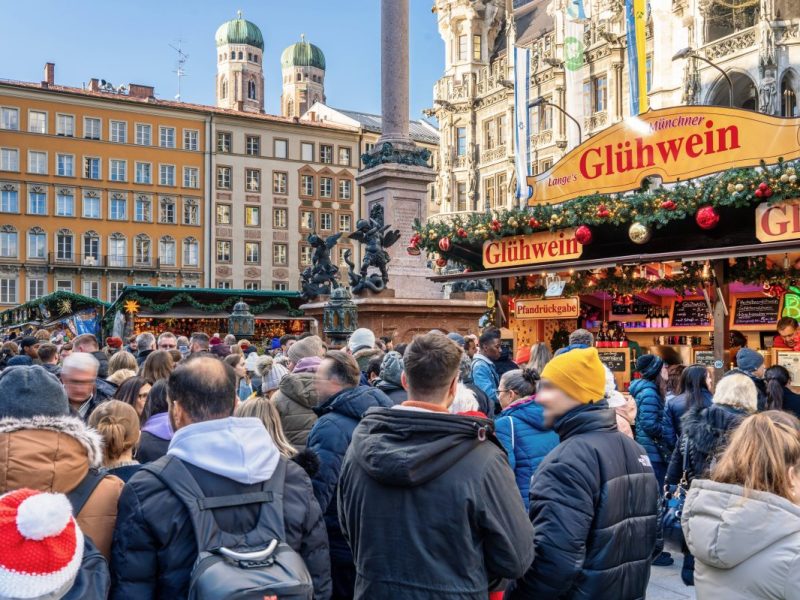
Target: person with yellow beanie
x=593, y=499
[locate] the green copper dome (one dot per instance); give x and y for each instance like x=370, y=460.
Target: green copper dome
x=239, y=31
x=303, y=54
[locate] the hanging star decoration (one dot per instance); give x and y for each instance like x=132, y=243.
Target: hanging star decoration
x=131, y=306
x=64, y=307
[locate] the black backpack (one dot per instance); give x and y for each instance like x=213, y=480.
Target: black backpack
x=94, y=577
x=251, y=566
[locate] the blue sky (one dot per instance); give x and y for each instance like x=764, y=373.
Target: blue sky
x=126, y=41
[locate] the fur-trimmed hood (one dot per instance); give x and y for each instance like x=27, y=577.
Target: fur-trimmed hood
x=364, y=356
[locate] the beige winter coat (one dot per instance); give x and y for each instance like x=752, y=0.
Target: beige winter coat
x=746, y=548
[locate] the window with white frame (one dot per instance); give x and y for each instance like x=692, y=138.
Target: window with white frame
x=65, y=165
x=37, y=121
x=9, y=200
x=91, y=248
x=191, y=139
x=191, y=252
x=279, y=286
x=167, y=213
x=9, y=118
x=252, y=145
x=166, y=137
x=166, y=251
x=305, y=255
x=92, y=128
x=224, y=141
x=191, y=212
x=281, y=148
x=118, y=208
x=279, y=182
x=307, y=151
x=345, y=189
x=119, y=132
x=344, y=157
x=280, y=254
x=306, y=219
x=37, y=200
x=279, y=218
x=326, y=221
x=223, y=251
x=91, y=205
x=8, y=290
x=65, y=125
x=117, y=250
x=252, y=285
x=37, y=162
x=63, y=285
x=143, y=173
x=252, y=179
x=326, y=153
x=223, y=214
x=224, y=178
x=252, y=216
x=64, y=245
x=252, y=252
x=144, y=134
x=65, y=203
x=36, y=288
x=91, y=288
x=307, y=185
x=118, y=170
x=8, y=242
x=37, y=243
x=143, y=209
x=141, y=250
x=115, y=290
x=223, y=285
x=91, y=167
x=9, y=159
x=191, y=177
x=166, y=175
x=326, y=187
x=344, y=223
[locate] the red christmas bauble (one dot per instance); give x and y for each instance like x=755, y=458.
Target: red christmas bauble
x=763, y=186
x=768, y=192
x=668, y=205
x=444, y=244
x=534, y=223
x=461, y=232
x=495, y=225
x=441, y=261
x=602, y=211
x=759, y=193
x=584, y=235
x=707, y=217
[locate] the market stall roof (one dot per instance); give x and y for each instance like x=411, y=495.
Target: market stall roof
x=55, y=305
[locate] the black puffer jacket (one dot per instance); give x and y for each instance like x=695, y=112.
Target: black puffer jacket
x=396, y=393
x=594, y=501
x=430, y=508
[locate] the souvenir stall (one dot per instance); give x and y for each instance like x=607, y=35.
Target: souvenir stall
x=64, y=314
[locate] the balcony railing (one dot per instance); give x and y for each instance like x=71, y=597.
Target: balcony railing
x=493, y=154
x=109, y=261
x=731, y=44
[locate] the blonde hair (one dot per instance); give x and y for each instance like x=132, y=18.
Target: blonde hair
x=760, y=453
x=120, y=376
x=264, y=410
x=540, y=356
x=118, y=424
x=122, y=360
x=737, y=391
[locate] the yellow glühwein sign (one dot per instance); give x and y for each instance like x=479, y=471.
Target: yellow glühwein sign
x=547, y=246
x=780, y=221
x=673, y=143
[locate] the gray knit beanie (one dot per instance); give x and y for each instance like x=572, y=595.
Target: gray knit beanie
x=392, y=368
x=27, y=392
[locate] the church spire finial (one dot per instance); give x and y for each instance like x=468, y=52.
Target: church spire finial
x=239, y=13
x=302, y=37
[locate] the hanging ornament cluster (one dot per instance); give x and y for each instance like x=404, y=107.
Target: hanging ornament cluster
x=584, y=235
x=640, y=233
x=707, y=217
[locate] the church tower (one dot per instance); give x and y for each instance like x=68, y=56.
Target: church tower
x=240, y=69
x=303, y=70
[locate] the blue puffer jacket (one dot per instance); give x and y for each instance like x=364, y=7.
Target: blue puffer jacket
x=649, y=417
x=521, y=430
x=674, y=409
x=329, y=438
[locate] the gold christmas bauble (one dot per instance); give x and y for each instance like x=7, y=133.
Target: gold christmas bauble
x=639, y=233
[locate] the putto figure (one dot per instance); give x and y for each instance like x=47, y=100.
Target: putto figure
x=320, y=278
x=376, y=238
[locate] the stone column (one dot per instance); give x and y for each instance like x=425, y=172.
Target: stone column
x=394, y=72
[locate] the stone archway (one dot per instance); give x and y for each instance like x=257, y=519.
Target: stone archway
x=745, y=93
x=790, y=88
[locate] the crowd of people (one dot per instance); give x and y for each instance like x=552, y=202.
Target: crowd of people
x=175, y=467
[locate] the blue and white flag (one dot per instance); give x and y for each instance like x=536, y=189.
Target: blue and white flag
x=575, y=15
x=522, y=144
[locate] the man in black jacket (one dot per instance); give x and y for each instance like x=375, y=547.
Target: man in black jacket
x=154, y=541
x=427, y=500
x=594, y=498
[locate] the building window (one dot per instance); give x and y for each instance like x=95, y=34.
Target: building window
x=115, y=290
x=64, y=247
x=345, y=189
x=65, y=204
x=462, y=47
x=461, y=141
x=489, y=130
x=91, y=168
x=224, y=141
x=344, y=223
x=252, y=285
x=461, y=197
x=305, y=255
x=191, y=213
x=251, y=90
x=8, y=291
x=191, y=139
x=118, y=170
x=223, y=214
x=252, y=145
x=36, y=288
x=223, y=251
x=369, y=147
x=92, y=128
x=9, y=118
x=9, y=159
x=307, y=185
x=143, y=209
x=65, y=165
x=143, y=173
x=8, y=242
x=191, y=252
x=37, y=121
x=306, y=219
x=9, y=201
x=488, y=192
x=166, y=137
x=91, y=248
x=63, y=285
x=224, y=178
x=91, y=289
x=545, y=116
x=118, y=208
x=166, y=175
x=191, y=177
x=141, y=250
x=279, y=218
x=144, y=134
x=166, y=251
x=252, y=178
x=325, y=153
x=476, y=47
x=117, y=250
x=279, y=286
x=649, y=71
x=326, y=221
x=252, y=216
x=65, y=125
x=37, y=201
x=119, y=132
x=91, y=205
x=344, y=157
x=37, y=243
x=280, y=148
x=223, y=93
x=37, y=162
x=307, y=152
x=280, y=254
x=167, y=211
x=600, y=92
x=252, y=252
x=223, y=285
x=326, y=187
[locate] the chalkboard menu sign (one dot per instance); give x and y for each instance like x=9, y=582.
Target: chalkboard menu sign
x=757, y=311
x=690, y=313
x=615, y=361
x=704, y=357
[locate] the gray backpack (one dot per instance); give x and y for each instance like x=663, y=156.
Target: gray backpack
x=256, y=565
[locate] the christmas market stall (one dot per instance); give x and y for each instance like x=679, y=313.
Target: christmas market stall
x=62, y=313
x=184, y=311
x=678, y=234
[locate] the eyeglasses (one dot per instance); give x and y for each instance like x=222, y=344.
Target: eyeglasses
x=499, y=391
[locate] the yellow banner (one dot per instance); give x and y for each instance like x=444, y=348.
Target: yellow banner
x=775, y=222
x=531, y=249
x=673, y=143
x=553, y=308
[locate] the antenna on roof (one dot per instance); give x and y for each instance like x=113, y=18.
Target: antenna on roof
x=182, y=58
